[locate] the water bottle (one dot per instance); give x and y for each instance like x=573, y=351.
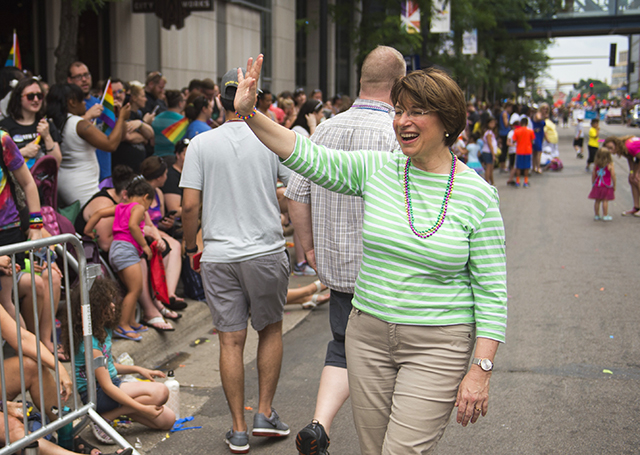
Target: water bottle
x=65, y=433
x=173, y=402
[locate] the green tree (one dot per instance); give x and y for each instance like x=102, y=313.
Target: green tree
x=67, y=51
x=592, y=86
x=500, y=62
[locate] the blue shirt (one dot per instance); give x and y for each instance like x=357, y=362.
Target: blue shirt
x=196, y=127
x=104, y=158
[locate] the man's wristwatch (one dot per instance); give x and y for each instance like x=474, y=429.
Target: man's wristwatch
x=485, y=364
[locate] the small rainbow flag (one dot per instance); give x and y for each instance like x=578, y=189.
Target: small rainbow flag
x=14, y=58
x=176, y=131
x=108, y=115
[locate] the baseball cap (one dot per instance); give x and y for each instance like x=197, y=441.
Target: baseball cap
x=229, y=84
x=515, y=118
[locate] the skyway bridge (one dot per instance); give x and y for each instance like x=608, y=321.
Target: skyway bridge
x=581, y=18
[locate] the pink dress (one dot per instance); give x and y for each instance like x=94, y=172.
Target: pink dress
x=603, y=186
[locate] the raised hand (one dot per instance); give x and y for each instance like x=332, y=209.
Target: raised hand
x=246, y=94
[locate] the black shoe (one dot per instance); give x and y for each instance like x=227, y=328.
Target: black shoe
x=312, y=440
x=176, y=305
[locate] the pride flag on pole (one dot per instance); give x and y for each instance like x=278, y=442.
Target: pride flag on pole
x=176, y=131
x=108, y=115
x=14, y=58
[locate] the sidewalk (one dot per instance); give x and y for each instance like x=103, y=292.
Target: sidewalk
x=192, y=351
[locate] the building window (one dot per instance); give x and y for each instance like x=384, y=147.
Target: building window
x=302, y=25
x=343, y=55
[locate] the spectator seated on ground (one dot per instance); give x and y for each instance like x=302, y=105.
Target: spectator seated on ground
x=171, y=188
x=154, y=170
x=30, y=367
x=106, y=197
x=11, y=231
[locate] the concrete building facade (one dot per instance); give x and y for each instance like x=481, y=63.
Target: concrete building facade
x=116, y=42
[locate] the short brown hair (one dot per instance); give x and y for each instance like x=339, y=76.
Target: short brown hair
x=433, y=89
x=154, y=77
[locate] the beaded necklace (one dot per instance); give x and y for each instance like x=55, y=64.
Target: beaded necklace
x=445, y=202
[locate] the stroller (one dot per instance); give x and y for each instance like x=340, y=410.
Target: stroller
x=45, y=175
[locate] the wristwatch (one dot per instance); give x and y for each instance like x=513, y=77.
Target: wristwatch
x=485, y=364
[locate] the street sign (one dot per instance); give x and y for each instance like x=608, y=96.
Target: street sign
x=172, y=12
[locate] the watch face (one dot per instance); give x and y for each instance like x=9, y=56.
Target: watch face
x=486, y=364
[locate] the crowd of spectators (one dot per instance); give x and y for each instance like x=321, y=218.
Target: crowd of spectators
x=95, y=169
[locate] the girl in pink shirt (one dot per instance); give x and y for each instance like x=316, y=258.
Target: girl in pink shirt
x=628, y=147
x=127, y=248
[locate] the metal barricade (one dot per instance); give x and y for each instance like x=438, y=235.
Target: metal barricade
x=87, y=275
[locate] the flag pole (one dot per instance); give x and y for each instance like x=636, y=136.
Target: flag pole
x=14, y=47
x=106, y=87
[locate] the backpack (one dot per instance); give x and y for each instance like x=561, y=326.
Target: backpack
x=191, y=281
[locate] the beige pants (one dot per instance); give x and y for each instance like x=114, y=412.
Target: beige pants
x=403, y=381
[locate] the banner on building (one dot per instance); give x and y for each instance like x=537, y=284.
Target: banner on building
x=470, y=42
x=410, y=16
x=441, y=17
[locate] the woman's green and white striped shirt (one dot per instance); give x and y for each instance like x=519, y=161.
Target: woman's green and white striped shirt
x=456, y=276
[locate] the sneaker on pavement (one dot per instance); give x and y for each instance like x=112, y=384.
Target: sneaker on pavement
x=238, y=441
x=100, y=435
x=526, y=185
x=517, y=185
x=597, y=218
x=303, y=269
x=271, y=427
x=607, y=218
x=312, y=440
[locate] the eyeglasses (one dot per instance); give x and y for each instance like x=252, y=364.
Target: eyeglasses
x=78, y=77
x=33, y=96
x=411, y=113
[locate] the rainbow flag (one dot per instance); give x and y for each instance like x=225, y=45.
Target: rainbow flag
x=14, y=58
x=108, y=115
x=176, y=131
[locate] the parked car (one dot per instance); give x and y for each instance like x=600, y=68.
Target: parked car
x=613, y=115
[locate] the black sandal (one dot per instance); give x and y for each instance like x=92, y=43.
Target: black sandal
x=82, y=446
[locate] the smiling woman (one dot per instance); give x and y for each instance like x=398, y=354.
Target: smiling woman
x=34, y=135
x=433, y=272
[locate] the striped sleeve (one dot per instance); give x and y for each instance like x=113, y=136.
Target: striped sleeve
x=488, y=271
x=335, y=170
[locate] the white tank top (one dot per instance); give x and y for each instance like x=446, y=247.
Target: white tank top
x=79, y=171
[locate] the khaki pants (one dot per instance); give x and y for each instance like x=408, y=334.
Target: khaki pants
x=403, y=381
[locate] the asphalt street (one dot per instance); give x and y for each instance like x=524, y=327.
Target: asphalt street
x=566, y=381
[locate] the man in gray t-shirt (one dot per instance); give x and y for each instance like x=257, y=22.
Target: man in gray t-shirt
x=244, y=267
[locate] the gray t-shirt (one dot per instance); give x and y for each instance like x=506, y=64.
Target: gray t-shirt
x=237, y=175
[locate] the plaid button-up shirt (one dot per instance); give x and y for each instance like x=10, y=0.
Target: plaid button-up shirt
x=336, y=218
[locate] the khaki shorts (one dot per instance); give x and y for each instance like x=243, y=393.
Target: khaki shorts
x=237, y=290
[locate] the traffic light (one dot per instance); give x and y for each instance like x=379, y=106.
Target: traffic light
x=612, y=54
